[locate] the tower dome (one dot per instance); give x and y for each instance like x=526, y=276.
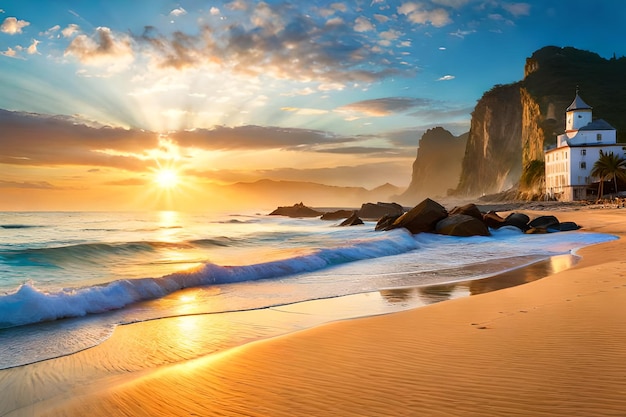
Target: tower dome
x=578, y=114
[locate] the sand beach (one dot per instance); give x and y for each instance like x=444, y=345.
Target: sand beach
x=552, y=347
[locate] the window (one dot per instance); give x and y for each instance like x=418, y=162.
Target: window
x=583, y=165
x=565, y=155
x=583, y=152
x=599, y=137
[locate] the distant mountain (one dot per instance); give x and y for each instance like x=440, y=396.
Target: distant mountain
x=270, y=194
x=511, y=124
x=437, y=167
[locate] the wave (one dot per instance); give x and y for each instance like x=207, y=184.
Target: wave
x=29, y=305
x=20, y=226
x=95, y=252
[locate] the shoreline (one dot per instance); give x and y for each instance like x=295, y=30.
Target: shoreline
x=124, y=389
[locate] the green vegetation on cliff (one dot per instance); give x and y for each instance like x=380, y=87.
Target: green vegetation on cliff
x=602, y=82
x=512, y=124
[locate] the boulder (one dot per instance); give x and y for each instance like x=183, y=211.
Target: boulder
x=568, y=226
x=519, y=220
x=493, y=220
x=468, y=209
x=352, y=220
x=462, y=225
x=297, y=210
x=546, y=222
x=421, y=218
x=386, y=222
x=378, y=210
x=536, y=231
x=337, y=215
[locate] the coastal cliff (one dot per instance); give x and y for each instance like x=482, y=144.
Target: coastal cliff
x=437, y=166
x=492, y=159
x=512, y=124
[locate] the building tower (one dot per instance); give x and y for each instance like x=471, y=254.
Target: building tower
x=578, y=114
x=568, y=165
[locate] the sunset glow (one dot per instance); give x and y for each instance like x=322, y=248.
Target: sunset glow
x=335, y=93
x=166, y=178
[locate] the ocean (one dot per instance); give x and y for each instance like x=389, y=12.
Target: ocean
x=67, y=279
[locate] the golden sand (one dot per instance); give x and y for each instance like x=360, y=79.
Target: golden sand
x=553, y=347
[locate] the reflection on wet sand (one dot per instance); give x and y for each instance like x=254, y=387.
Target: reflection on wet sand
x=435, y=293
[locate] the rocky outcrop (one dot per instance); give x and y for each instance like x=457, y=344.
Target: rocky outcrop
x=468, y=209
x=421, y=218
x=337, y=215
x=386, y=222
x=437, y=167
x=462, y=225
x=297, y=210
x=353, y=220
x=431, y=217
x=376, y=211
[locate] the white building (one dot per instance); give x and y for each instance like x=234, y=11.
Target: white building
x=569, y=165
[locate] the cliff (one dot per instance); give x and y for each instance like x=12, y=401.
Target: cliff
x=511, y=124
x=437, y=166
x=492, y=160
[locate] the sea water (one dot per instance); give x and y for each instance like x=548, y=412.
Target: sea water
x=68, y=278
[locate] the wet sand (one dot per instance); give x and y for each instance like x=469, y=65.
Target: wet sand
x=555, y=346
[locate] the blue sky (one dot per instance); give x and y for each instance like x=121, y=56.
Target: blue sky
x=283, y=90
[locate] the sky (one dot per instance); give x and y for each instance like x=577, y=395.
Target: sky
x=119, y=104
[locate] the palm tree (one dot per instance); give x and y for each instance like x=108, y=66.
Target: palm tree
x=608, y=166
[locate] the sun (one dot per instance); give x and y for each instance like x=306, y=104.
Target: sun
x=166, y=178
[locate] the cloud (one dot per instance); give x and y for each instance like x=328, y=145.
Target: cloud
x=451, y=3
x=50, y=32
x=40, y=185
x=214, y=11
x=415, y=14
x=32, y=48
x=277, y=41
x=446, y=78
x=304, y=111
x=13, y=26
x=129, y=181
x=517, y=9
x=178, y=12
x=10, y=52
x=462, y=33
x=37, y=140
x=70, y=30
x=104, y=47
x=381, y=18
x=384, y=106
x=362, y=24
x=253, y=137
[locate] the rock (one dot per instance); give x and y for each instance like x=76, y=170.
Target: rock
x=462, y=225
x=493, y=220
x=337, y=215
x=297, y=210
x=352, y=220
x=468, y=209
x=378, y=210
x=386, y=222
x=568, y=226
x=546, y=222
x=536, y=231
x=421, y=218
x=519, y=220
